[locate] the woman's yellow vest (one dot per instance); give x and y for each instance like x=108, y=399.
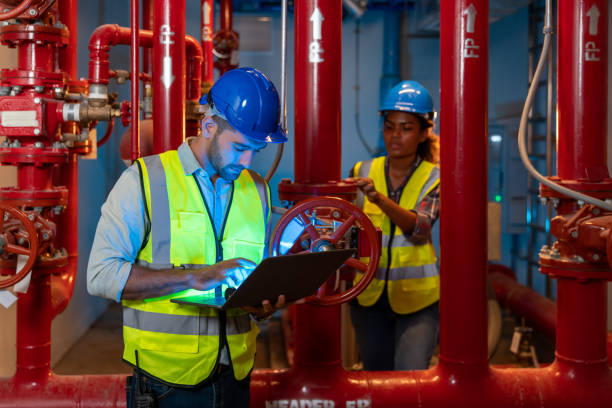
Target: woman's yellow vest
x=180, y=344
x=410, y=271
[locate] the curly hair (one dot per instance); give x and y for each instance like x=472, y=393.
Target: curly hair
x=429, y=149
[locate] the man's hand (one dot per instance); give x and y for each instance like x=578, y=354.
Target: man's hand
x=366, y=185
x=231, y=272
x=267, y=308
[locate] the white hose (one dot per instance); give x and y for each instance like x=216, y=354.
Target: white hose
x=524, y=117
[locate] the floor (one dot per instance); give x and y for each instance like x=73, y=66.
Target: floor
x=106, y=339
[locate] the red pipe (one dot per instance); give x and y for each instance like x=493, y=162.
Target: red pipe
x=317, y=140
x=195, y=56
x=68, y=55
x=226, y=15
x=109, y=35
x=582, y=105
x=147, y=24
x=108, y=133
x=135, y=82
x=317, y=99
x=168, y=74
x=464, y=84
x=23, y=6
x=207, y=22
x=539, y=311
x=62, y=286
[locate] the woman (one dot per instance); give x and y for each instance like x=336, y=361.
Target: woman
x=396, y=318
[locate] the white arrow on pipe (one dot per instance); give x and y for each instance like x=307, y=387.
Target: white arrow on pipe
x=470, y=12
x=317, y=20
x=593, y=15
x=206, y=31
x=167, y=77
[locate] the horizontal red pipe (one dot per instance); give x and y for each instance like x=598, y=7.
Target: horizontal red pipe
x=109, y=35
x=99, y=391
x=458, y=385
x=539, y=311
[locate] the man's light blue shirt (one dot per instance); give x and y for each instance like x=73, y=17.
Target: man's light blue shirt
x=121, y=229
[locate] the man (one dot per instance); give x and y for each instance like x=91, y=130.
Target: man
x=192, y=219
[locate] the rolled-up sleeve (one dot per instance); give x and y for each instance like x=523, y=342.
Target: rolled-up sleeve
x=427, y=214
x=118, y=237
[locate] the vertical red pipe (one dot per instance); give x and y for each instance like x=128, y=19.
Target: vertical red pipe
x=207, y=21
x=318, y=64
x=582, y=125
x=581, y=321
x=317, y=148
x=464, y=47
x=168, y=74
x=34, y=315
x=68, y=221
x=135, y=82
x=582, y=65
x=226, y=15
x=68, y=55
x=147, y=24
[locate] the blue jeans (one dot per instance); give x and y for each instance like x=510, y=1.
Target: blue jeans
x=389, y=341
x=222, y=390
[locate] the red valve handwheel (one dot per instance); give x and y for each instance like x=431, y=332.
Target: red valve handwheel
x=31, y=252
x=336, y=209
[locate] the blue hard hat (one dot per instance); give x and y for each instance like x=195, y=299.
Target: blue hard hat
x=248, y=100
x=411, y=97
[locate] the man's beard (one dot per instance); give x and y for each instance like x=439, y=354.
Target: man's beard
x=228, y=172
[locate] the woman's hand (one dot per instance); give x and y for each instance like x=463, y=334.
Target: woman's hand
x=366, y=185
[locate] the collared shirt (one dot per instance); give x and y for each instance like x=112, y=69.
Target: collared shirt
x=121, y=229
x=427, y=211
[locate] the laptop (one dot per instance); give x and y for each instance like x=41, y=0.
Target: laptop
x=295, y=276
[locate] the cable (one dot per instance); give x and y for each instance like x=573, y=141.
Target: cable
x=524, y=117
x=372, y=152
x=281, y=146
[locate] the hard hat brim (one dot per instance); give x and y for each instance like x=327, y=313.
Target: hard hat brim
x=278, y=136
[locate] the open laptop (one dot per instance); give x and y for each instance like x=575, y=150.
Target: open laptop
x=295, y=276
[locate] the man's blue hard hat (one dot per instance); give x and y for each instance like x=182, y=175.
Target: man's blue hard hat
x=249, y=101
x=411, y=97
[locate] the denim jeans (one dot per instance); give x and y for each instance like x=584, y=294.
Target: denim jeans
x=389, y=341
x=221, y=391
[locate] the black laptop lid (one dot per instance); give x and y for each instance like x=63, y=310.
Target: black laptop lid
x=295, y=276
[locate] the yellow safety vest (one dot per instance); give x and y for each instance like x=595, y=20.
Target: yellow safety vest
x=413, y=280
x=180, y=344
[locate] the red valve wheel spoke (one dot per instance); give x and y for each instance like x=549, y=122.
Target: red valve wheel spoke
x=357, y=264
x=310, y=229
x=16, y=249
x=2, y=219
x=339, y=233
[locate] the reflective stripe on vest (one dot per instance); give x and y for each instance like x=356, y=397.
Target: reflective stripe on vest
x=412, y=277
x=179, y=344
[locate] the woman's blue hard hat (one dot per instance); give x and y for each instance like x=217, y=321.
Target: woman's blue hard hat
x=411, y=97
